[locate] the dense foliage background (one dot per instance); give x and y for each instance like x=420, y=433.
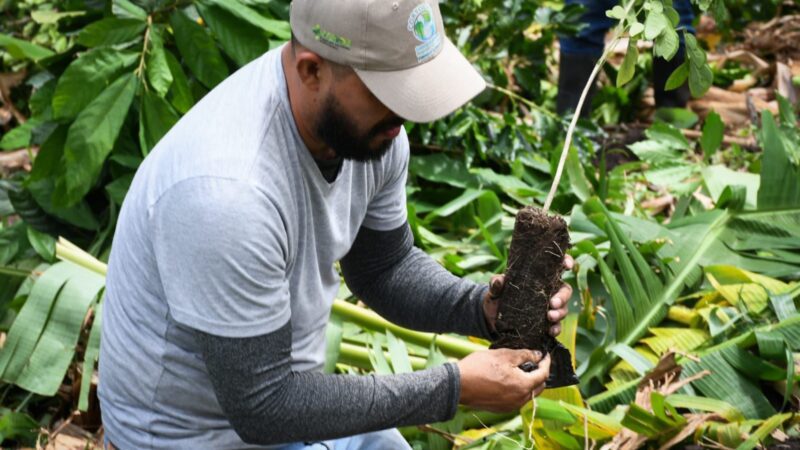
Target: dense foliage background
x=685, y=223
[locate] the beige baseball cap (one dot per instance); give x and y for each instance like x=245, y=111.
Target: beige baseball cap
x=397, y=47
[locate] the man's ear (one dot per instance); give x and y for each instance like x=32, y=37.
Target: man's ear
x=309, y=68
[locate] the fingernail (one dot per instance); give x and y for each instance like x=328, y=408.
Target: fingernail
x=537, y=353
x=552, y=315
x=495, y=286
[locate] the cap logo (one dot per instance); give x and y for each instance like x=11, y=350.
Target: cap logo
x=422, y=24
x=331, y=39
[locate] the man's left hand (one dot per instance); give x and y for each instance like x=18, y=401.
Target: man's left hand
x=558, y=304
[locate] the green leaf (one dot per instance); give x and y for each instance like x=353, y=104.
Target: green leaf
x=577, y=177
x=719, y=177
x=157, y=118
x=86, y=78
x=726, y=410
x=242, y=32
x=752, y=366
x=617, y=12
x=441, y=168
x=111, y=31
x=636, y=29
x=700, y=79
x=726, y=384
x=638, y=298
x=639, y=363
x=398, y=354
x=700, y=75
x=333, y=342
x=678, y=117
x=764, y=430
x=31, y=321
x=667, y=135
x=49, y=17
x=44, y=371
x=158, y=71
x=678, y=77
x=91, y=137
x=127, y=10
x=90, y=357
x=43, y=243
x=628, y=67
x=683, y=339
x=770, y=344
x=20, y=49
x=118, y=189
x=17, y=426
x=180, y=95
x=780, y=179
x=377, y=359
x=19, y=137
x=694, y=53
x=713, y=132
x=667, y=44
x=783, y=305
x=623, y=312
x=466, y=197
x=199, y=51
x=655, y=24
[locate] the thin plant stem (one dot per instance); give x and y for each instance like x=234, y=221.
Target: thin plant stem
x=15, y=272
x=574, y=123
x=516, y=97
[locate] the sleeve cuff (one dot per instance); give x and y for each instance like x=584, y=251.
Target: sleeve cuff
x=454, y=376
x=482, y=326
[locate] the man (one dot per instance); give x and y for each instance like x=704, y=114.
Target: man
x=580, y=53
x=222, y=273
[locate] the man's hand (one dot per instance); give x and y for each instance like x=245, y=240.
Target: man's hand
x=558, y=304
x=492, y=380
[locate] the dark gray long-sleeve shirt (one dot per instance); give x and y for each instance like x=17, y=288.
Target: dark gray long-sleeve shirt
x=267, y=403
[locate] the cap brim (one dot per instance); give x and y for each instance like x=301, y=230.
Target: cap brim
x=428, y=91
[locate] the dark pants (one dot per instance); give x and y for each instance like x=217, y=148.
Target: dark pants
x=590, y=41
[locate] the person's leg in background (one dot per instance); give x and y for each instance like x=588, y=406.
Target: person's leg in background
x=580, y=53
x=662, y=68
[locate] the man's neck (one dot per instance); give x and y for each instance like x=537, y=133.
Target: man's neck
x=299, y=104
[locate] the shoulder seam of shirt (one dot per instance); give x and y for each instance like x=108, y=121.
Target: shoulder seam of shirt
x=213, y=177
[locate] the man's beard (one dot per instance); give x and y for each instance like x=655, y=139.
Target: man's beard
x=341, y=134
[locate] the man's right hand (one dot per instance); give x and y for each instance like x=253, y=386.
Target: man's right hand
x=492, y=380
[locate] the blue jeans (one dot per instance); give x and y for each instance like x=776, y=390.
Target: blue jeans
x=590, y=40
x=377, y=440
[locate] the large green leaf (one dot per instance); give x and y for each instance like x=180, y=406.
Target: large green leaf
x=55, y=349
x=31, y=321
x=725, y=383
x=780, y=179
x=199, y=51
x=23, y=49
x=86, y=78
x=155, y=120
x=111, y=31
x=158, y=72
x=243, y=33
x=647, y=311
x=91, y=137
x=180, y=94
x=90, y=357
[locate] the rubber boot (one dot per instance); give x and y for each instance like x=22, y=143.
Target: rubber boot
x=662, y=69
x=573, y=73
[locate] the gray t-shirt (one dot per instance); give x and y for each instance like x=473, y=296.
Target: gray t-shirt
x=228, y=228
